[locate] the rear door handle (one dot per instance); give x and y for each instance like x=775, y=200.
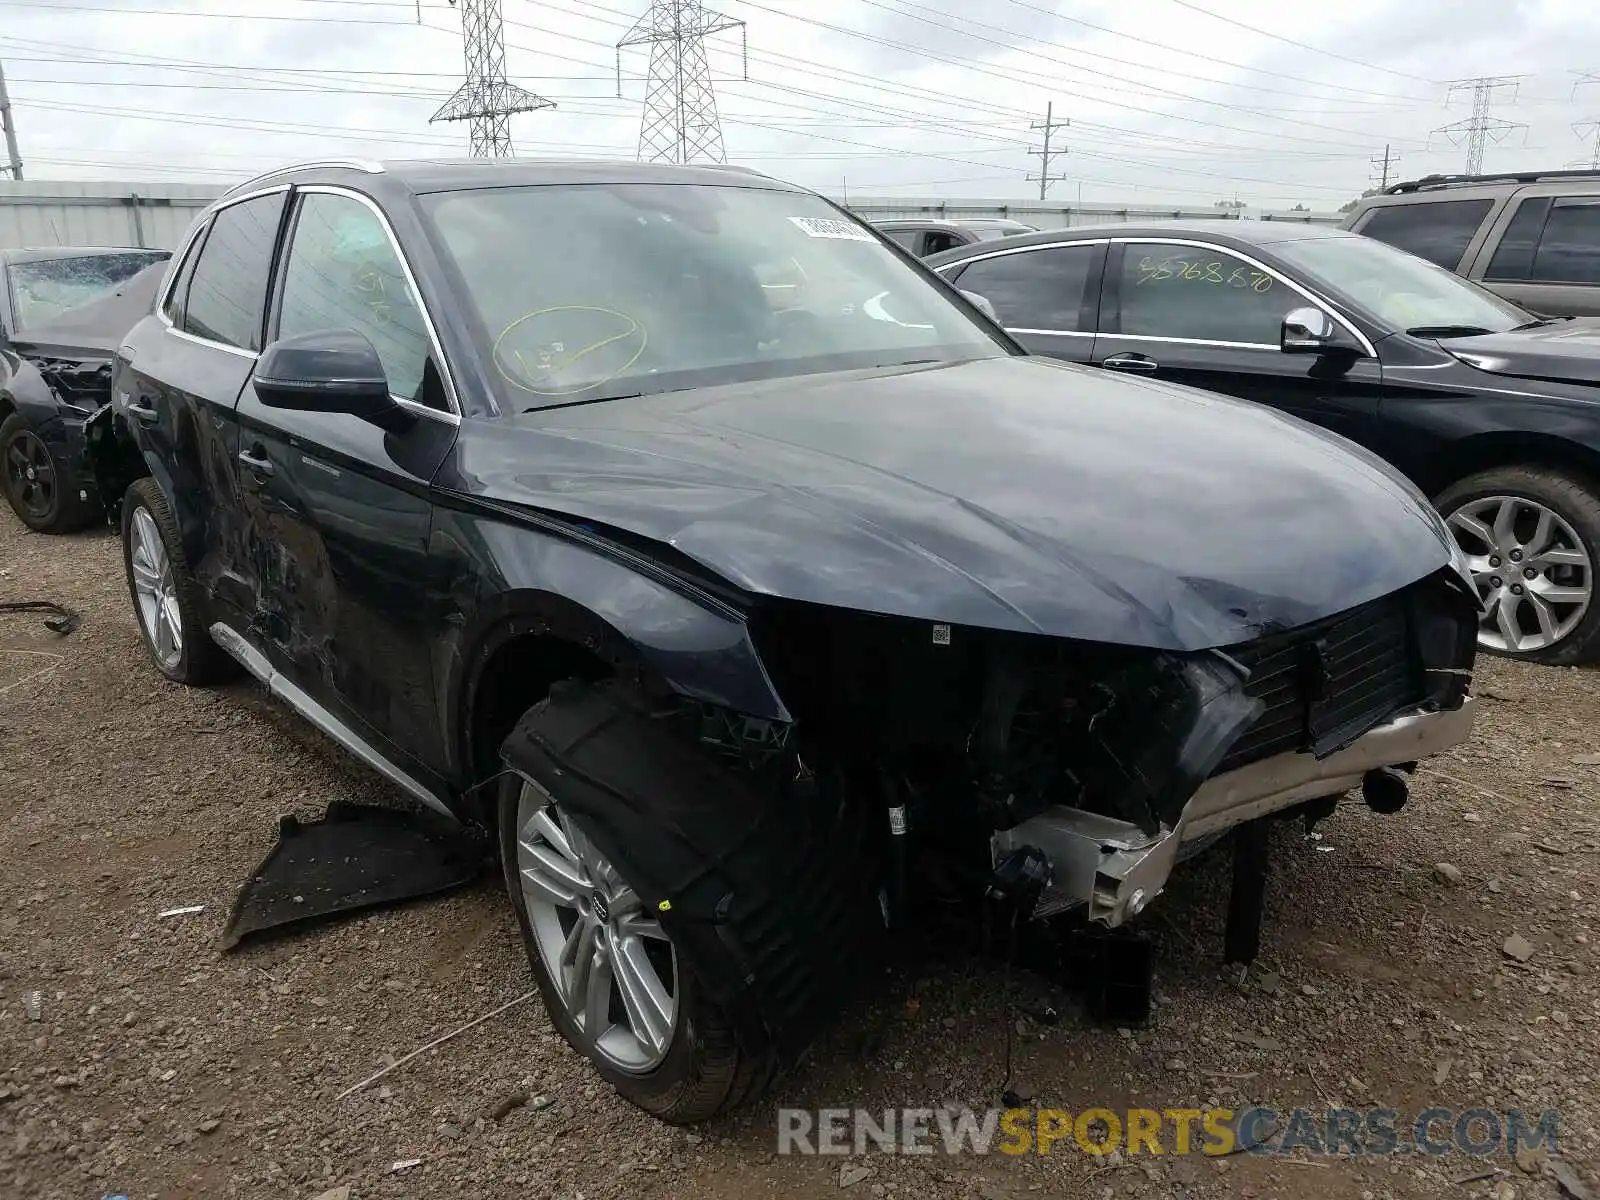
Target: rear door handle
x=1130, y=362
x=258, y=465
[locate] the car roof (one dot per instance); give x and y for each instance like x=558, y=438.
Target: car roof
x=1224, y=231
x=51, y=253
x=423, y=175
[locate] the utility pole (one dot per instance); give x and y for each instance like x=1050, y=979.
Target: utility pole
x=1480, y=127
x=13, y=158
x=680, y=122
x=1382, y=166
x=1049, y=126
x=486, y=98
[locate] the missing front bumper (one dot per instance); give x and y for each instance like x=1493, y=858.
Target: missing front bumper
x=1116, y=869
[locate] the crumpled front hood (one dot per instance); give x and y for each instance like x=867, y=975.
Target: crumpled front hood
x=1568, y=351
x=1011, y=493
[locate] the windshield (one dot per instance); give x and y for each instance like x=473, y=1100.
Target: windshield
x=1400, y=289
x=43, y=290
x=595, y=291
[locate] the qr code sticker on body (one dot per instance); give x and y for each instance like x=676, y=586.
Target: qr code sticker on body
x=823, y=227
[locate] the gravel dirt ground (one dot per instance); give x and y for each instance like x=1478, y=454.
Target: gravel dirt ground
x=152, y=1065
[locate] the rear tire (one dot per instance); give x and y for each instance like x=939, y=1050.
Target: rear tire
x=168, y=603
x=1532, y=535
x=38, y=486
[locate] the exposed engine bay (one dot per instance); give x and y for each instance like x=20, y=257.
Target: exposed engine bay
x=1110, y=762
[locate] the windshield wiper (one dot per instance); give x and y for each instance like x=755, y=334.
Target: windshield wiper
x=1447, y=331
x=1538, y=323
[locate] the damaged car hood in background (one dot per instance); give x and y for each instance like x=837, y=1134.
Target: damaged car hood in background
x=1009, y=493
x=95, y=329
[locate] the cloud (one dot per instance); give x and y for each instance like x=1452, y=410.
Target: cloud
x=1167, y=103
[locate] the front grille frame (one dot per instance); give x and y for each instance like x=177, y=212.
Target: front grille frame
x=1328, y=683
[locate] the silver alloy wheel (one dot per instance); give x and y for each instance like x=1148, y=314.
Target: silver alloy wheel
x=155, y=590
x=614, y=969
x=1533, y=572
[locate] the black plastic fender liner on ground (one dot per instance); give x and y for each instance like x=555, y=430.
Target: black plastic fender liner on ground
x=769, y=893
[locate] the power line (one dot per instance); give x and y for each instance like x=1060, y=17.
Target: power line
x=1278, y=37
x=486, y=98
x=1189, y=52
x=680, y=108
x=1480, y=127
x=1049, y=126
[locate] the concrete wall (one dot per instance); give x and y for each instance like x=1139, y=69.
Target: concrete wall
x=154, y=215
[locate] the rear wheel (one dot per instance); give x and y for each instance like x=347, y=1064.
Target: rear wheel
x=166, y=597
x=37, y=486
x=1532, y=540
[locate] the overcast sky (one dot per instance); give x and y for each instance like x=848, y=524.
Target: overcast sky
x=1177, y=101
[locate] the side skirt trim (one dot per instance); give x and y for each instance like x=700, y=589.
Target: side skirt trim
x=296, y=698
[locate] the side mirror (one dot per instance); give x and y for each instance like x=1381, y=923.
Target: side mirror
x=1309, y=330
x=981, y=303
x=331, y=370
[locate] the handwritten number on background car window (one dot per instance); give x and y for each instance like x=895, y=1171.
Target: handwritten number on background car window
x=1151, y=270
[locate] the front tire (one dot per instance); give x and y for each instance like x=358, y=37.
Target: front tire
x=37, y=485
x=612, y=981
x=167, y=599
x=1532, y=539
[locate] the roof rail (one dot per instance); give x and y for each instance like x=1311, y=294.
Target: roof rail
x=368, y=166
x=1428, y=182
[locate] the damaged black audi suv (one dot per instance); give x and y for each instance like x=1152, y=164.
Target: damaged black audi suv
x=753, y=587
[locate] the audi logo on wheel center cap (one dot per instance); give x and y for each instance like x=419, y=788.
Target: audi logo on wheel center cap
x=597, y=903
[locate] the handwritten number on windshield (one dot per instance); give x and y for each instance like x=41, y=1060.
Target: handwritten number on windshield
x=1199, y=271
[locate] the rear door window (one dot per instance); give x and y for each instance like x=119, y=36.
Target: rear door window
x=1035, y=289
x=1439, y=231
x=227, y=297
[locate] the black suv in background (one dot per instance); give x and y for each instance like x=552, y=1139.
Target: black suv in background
x=737, y=572
x=1533, y=238
x=1491, y=410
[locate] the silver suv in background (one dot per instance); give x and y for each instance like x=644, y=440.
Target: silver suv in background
x=1533, y=238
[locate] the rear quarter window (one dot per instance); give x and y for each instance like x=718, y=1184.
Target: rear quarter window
x=1437, y=230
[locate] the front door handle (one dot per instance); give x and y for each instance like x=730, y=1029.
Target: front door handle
x=258, y=465
x=1130, y=362
x=142, y=412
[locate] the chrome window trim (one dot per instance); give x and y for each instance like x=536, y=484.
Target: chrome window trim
x=1177, y=341
x=1000, y=253
x=1305, y=293
x=454, y=415
x=202, y=223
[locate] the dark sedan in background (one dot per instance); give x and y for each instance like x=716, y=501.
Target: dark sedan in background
x=62, y=313
x=1493, y=411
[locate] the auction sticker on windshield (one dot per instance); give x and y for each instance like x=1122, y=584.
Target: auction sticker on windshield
x=823, y=227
